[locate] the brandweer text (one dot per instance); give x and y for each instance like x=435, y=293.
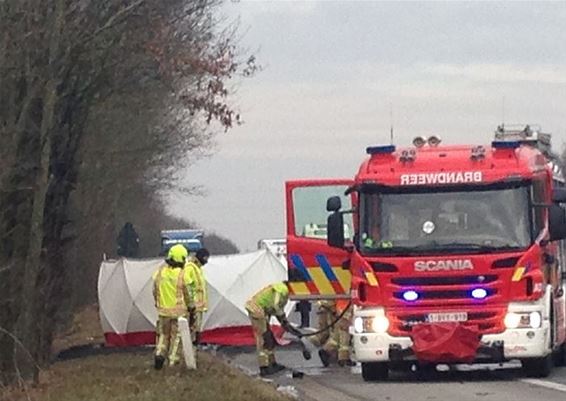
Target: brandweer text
x=442, y=178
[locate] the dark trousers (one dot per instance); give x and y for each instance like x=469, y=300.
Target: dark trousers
x=304, y=308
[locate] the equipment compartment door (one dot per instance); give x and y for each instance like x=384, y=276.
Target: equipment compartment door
x=316, y=271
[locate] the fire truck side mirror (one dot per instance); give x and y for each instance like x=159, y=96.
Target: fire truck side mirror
x=335, y=233
x=557, y=222
x=559, y=195
x=333, y=204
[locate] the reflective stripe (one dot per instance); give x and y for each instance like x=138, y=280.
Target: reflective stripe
x=172, y=312
x=199, y=299
x=254, y=309
x=372, y=280
x=319, y=279
x=518, y=274
x=157, y=287
x=175, y=352
x=277, y=310
x=180, y=290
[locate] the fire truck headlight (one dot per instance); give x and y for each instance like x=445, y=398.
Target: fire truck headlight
x=380, y=324
x=371, y=324
x=527, y=320
x=535, y=320
x=512, y=320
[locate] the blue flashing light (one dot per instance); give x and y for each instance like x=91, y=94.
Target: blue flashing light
x=377, y=150
x=479, y=293
x=505, y=144
x=410, y=296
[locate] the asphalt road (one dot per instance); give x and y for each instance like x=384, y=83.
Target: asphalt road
x=485, y=383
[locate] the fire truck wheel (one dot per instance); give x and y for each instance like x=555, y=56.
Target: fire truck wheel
x=373, y=371
x=537, y=367
x=425, y=371
x=400, y=366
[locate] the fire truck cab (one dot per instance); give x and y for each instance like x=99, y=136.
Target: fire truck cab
x=465, y=242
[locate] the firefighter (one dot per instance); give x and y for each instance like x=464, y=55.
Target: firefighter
x=325, y=313
x=269, y=301
x=339, y=340
x=304, y=308
x=172, y=297
x=197, y=287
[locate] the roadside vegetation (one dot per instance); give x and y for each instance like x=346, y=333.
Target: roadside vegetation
x=104, y=103
x=130, y=377
x=98, y=374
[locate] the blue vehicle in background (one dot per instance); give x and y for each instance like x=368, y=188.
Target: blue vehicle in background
x=192, y=239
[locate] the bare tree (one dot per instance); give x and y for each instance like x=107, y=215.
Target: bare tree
x=72, y=75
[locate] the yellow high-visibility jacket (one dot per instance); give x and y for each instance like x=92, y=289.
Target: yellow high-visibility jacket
x=171, y=291
x=197, y=286
x=269, y=301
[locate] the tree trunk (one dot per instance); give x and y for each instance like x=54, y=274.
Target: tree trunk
x=27, y=321
x=28, y=329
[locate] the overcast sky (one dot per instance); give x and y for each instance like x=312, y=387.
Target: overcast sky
x=335, y=70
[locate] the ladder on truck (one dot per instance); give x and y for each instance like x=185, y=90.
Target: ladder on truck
x=532, y=135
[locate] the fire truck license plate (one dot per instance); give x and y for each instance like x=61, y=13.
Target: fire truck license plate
x=447, y=317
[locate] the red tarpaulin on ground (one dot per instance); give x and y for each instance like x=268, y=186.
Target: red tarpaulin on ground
x=445, y=342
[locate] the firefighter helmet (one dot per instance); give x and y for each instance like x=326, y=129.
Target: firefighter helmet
x=177, y=255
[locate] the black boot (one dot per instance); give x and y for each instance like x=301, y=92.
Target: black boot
x=265, y=371
x=324, y=357
x=158, y=362
x=268, y=370
x=277, y=367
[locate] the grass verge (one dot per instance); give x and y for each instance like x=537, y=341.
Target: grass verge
x=130, y=377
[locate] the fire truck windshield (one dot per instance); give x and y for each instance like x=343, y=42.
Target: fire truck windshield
x=448, y=220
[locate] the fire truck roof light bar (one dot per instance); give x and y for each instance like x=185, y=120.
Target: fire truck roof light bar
x=505, y=144
x=379, y=150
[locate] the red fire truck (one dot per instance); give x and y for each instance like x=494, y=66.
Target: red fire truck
x=450, y=254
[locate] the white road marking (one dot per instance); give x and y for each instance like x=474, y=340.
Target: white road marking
x=547, y=384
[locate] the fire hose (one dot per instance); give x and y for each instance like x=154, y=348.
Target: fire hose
x=306, y=353
x=270, y=341
x=331, y=325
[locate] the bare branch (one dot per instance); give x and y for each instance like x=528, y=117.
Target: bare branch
x=115, y=19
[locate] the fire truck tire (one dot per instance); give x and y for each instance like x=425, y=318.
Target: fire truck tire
x=537, y=367
x=374, y=371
